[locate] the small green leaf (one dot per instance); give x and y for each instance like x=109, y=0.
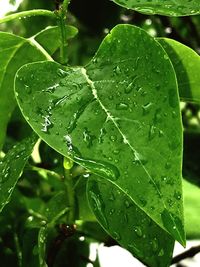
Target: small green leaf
x=166, y=7
x=186, y=63
x=49, y=38
x=11, y=168
x=114, y=118
x=56, y=207
x=15, y=51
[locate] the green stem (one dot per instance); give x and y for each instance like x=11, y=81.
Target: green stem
x=38, y=169
x=71, y=195
x=61, y=23
x=28, y=13
x=18, y=249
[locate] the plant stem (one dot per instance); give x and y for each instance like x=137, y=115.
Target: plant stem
x=71, y=195
x=28, y=13
x=61, y=23
x=186, y=254
x=18, y=249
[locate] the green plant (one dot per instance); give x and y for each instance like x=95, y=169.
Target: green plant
x=108, y=134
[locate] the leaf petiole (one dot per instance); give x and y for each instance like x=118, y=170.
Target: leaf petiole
x=27, y=14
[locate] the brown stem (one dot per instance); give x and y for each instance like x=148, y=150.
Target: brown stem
x=187, y=254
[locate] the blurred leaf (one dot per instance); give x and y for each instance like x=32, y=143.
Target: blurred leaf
x=11, y=168
x=57, y=207
x=14, y=53
x=94, y=118
x=187, y=66
x=192, y=208
x=30, y=256
x=168, y=8
x=191, y=167
x=50, y=40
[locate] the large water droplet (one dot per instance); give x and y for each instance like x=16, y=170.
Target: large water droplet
x=138, y=231
x=98, y=207
x=103, y=169
x=122, y=106
x=46, y=124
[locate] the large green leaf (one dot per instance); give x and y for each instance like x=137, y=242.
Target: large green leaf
x=114, y=117
x=14, y=52
x=163, y=7
x=11, y=168
x=186, y=63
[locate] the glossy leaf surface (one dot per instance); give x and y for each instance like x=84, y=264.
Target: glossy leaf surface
x=106, y=118
x=15, y=51
x=166, y=7
x=11, y=168
x=49, y=38
x=186, y=63
x=128, y=224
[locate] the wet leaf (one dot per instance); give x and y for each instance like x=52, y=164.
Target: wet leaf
x=167, y=7
x=186, y=63
x=114, y=117
x=11, y=168
x=128, y=224
x=15, y=51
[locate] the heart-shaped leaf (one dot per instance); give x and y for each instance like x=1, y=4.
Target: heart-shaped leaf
x=163, y=7
x=186, y=63
x=114, y=117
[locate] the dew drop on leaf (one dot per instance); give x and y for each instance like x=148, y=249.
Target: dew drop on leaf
x=138, y=231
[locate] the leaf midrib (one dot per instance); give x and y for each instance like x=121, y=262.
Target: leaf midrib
x=110, y=117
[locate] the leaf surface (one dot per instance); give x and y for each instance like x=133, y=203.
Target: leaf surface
x=128, y=224
x=15, y=51
x=114, y=118
x=49, y=38
x=186, y=63
x=162, y=7
x=11, y=168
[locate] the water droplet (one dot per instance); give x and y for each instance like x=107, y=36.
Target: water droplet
x=161, y=253
x=146, y=108
x=101, y=168
x=46, y=124
x=68, y=142
x=116, y=236
x=87, y=137
x=62, y=73
x=113, y=138
x=168, y=165
x=98, y=207
x=152, y=132
x=122, y=106
x=127, y=204
x=117, y=70
x=138, y=231
x=177, y=195
x=154, y=243
x=112, y=211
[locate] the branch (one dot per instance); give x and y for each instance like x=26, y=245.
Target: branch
x=187, y=254
x=28, y=13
